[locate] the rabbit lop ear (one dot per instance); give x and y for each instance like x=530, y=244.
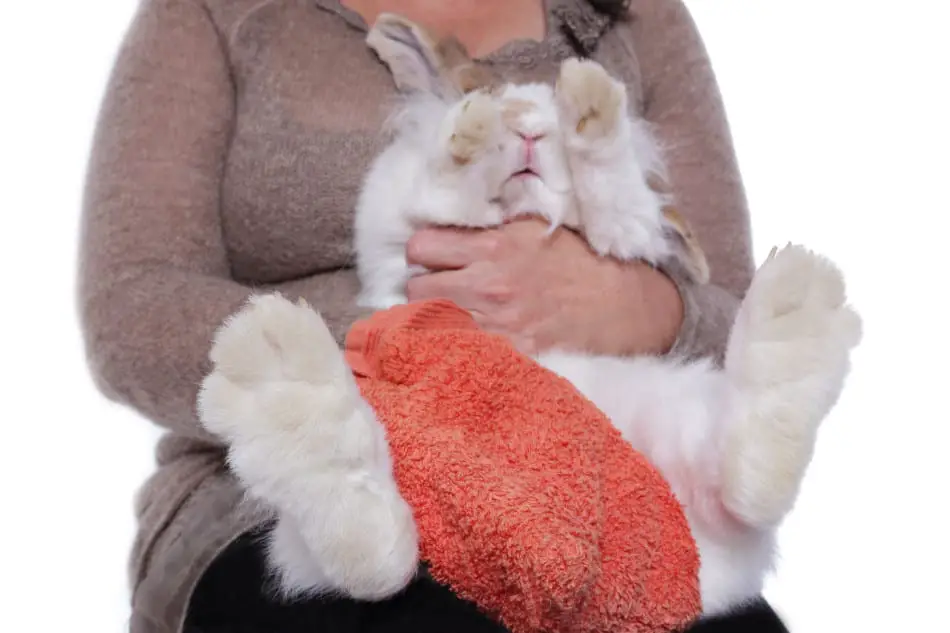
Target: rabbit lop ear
x=686, y=249
x=418, y=62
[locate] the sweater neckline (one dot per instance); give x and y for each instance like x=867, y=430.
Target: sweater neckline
x=572, y=28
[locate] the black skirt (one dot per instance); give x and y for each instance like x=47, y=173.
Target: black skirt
x=234, y=596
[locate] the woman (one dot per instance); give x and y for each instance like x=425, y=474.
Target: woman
x=230, y=149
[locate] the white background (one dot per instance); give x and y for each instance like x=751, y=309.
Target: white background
x=840, y=117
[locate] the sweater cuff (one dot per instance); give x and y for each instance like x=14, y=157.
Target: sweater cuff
x=708, y=315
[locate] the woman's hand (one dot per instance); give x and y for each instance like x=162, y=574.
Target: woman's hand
x=547, y=291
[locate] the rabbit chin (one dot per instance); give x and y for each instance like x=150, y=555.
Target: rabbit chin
x=534, y=195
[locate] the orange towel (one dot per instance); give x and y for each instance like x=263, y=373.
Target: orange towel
x=529, y=503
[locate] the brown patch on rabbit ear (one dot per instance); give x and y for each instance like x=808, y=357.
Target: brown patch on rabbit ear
x=452, y=52
x=687, y=250
x=466, y=74
x=471, y=78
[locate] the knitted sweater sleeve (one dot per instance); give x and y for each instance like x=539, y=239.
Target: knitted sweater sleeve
x=154, y=277
x=683, y=102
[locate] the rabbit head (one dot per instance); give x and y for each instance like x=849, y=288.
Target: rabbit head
x=501, y=146
x=498, y=139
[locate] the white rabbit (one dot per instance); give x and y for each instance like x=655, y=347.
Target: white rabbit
x=733, y=442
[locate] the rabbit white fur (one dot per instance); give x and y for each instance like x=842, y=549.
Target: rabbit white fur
x=733, y=442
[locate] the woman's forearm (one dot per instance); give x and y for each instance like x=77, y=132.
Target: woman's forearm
x=642, y=312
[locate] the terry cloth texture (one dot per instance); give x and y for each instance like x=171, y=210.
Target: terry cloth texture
x=529, y=502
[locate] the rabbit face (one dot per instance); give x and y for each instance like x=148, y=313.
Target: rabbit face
x=508, y=140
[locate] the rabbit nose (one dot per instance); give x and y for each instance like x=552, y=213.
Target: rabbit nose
x=529, y=146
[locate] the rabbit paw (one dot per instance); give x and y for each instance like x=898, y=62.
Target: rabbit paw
x=302, y=440
x=272, y=340
x=795, y=314
x=788, y=357
x=625, y=236
x=591, y=102
x=476, y=127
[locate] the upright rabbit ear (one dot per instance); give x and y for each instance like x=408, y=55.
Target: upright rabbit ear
x=686, y=249
x=420, y=63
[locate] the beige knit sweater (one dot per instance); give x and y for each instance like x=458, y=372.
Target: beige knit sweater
x=228, y=155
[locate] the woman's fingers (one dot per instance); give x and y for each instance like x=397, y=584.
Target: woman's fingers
x=450, y=249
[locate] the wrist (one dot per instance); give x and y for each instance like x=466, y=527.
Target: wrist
x=663, y=309
x=653, y=311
